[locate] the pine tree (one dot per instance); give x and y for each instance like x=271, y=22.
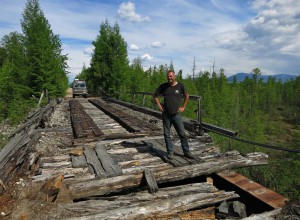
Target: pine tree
x=109, y=61
x=15, y=56
x=47, y=66
x=14, y=92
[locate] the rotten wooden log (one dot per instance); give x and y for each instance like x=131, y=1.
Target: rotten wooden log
x=140, y=205
x=119, y=183
x=105, y=203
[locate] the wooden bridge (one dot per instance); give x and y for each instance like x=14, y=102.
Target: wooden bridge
x=100, y=158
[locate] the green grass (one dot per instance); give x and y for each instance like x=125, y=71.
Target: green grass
x=3, y=140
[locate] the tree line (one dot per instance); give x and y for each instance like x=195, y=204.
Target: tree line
x=30, y=63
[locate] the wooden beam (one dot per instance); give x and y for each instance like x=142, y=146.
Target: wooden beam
x=140, y=205
x=94, y=163
x=110, y=166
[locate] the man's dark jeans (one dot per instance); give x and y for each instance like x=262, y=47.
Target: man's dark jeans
x=176, y=120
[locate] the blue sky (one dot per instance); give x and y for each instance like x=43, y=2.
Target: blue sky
x=237, y=35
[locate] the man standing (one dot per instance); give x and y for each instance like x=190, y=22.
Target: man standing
x=172, y=91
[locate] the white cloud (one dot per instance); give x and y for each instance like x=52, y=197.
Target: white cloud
x=133, y=47
x=156, y=44
x=89, y=50
x=147, y=57
x=127, y=12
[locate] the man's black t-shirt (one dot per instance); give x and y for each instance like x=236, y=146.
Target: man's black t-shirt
x=172, y=96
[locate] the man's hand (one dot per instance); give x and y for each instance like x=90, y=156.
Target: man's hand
x=161, y=107
x=181, y=109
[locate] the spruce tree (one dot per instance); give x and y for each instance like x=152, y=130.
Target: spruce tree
x=109, y=61
x=47, y=66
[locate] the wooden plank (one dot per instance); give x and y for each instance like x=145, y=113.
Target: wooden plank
x=155, y=167
x=49, y=173
x=178, y=153
x=78, y=161
x=161, y=152
x=57, y=158
x=264, y=194
x=93, y=161
x=131, y=123
x=78, y=129
x=151, y=181
x=142, y=161
x=59, y=164
x=110, y=166
x=83, y=124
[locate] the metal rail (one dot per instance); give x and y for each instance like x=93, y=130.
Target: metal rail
x=201, y=126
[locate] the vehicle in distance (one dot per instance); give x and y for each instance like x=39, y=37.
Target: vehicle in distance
x=79, y=88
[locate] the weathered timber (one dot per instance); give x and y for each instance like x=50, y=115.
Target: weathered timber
x=136, y=207
x=79, y=178
x=179, y=159
x=78, y=161
x=57, y=158
x=33, y=158
x=94, y=163
x=151, y=181
x=132, y=157
x=133, y=139
x=78, y=129
x=49, y=173
x=19, y=140
x=159, y=151
x=144, y=161
x=159, y=148
x=63, y=164
x=264, y=194
x=154, y=167
x=14, y=152
x=35, y=119
x=98, y=204
x=83, y=124
x=110, y=166
x=119, y=183
x=271, y=215
x=131, y=123
x=119, y=136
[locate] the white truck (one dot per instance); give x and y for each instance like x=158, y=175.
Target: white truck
x=79, y=88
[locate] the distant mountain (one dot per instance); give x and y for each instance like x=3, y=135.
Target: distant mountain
x=241, y=76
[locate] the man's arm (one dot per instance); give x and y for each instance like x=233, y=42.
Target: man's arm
x=186, y=99
x=159, y=105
